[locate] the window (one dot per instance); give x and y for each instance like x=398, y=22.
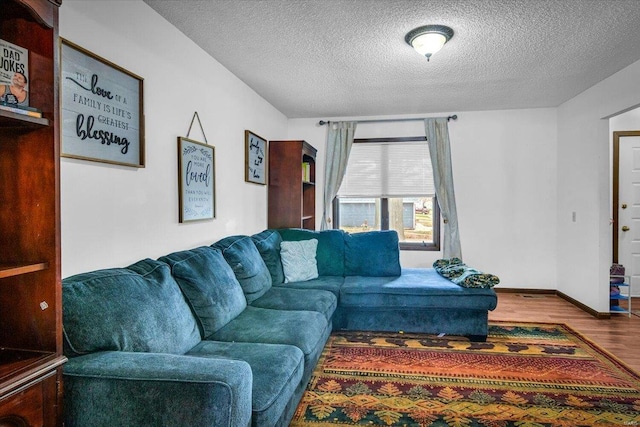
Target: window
x=389, y=186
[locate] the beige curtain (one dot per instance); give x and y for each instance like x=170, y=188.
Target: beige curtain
x=437, y=130
x=338, y=147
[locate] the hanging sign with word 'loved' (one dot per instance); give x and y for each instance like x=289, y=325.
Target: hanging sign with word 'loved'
x=102, y=109
x=196, y=180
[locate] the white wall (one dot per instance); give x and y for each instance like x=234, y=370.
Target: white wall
x=516, y=195
x=629, y=120
x=584, y=246
x=116, y=215
x=505, y=178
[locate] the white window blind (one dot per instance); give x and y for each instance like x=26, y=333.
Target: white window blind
x=389, y=170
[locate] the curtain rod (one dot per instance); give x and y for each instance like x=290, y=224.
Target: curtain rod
x=453, y=117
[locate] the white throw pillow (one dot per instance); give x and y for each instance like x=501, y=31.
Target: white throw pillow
x=299, y=260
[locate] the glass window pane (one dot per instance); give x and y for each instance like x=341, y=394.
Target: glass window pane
x=412, y=218
x=359, y=214
x=388, y=185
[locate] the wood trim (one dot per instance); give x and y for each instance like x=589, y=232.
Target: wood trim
x=594, y=313
x=525, y=291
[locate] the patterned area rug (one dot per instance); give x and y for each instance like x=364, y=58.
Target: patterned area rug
x=525, y=375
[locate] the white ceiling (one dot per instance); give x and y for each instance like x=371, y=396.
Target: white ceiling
x=340, y=58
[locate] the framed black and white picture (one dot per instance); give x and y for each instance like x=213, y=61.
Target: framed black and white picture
x=102, y=109
x=255, y=148
x=196, y=180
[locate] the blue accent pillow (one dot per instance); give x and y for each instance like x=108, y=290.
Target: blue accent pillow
x=372, y=253
x=139, y=308
x=210, y=286
x=330, y=253
x=268, y=244
x=242, y=255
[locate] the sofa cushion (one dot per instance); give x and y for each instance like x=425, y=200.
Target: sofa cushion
x=325, y=283
x=268, y=244
x=242, y=255
x=139, y=309
x=372, y=253
x=211, y=288
x=299, y=260
x=283, y=298
x=277, y=371
x=416, y=288
x=261, y=325
x=307, y=330
x=330, y=252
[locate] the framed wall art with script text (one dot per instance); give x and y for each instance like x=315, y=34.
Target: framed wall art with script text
x=101, y=108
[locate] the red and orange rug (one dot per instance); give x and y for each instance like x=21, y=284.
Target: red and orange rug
x=525, y=375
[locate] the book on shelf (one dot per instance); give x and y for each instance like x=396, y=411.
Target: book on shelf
x=21, y=109
x=306, y=171
x=14, y=74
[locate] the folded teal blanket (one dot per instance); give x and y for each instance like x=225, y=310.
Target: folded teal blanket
x=461, y=274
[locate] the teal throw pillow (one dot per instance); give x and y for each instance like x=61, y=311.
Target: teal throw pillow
x=372, y=254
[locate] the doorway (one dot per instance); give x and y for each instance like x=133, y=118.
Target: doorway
x=626, y=203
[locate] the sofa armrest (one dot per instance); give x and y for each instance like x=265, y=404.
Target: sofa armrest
x=123, y=388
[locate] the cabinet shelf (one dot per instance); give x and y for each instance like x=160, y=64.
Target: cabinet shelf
x=25, y=365
x=620, y=297
x=618, y=309
x=15, y=121
x=626, y=296
x=9, y=270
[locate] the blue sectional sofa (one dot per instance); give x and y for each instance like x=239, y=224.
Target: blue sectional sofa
x=222, y=336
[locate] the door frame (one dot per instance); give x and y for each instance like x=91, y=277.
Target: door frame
x=616, y=184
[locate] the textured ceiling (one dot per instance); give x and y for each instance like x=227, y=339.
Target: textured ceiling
x=339, y=58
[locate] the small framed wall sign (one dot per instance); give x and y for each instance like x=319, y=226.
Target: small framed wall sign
x=102, y=109
x=196, y=180
x=255, y=149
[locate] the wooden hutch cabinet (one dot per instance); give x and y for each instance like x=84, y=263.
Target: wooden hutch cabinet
x=292, y=185
x=30, y=284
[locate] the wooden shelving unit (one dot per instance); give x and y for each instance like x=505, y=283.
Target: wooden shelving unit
x=292, y=195
x=30, y=284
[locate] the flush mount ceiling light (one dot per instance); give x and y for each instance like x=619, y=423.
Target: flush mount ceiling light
x=428, y=39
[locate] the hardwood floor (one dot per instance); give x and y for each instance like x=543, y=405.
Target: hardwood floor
x=619, y=335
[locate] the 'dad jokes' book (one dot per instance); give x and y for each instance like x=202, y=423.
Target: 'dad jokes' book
x=14, y=74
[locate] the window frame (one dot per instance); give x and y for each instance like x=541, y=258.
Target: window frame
x=384, y=204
